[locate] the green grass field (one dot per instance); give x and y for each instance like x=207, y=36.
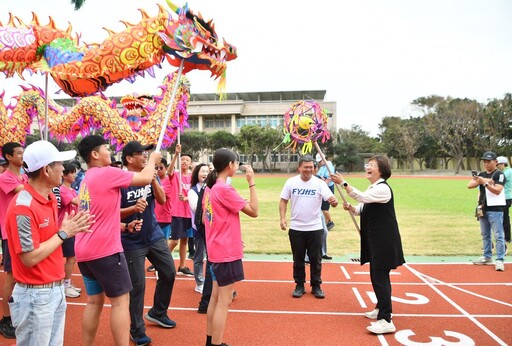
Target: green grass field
x=435, y=217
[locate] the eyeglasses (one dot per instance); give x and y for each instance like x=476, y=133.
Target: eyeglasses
x=159, y=168
x=370, y=165
x=143, y=153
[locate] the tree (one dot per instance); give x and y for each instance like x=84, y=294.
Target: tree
x=77, y=3
x=454, y=124
x=222, y=139
x=194, y=143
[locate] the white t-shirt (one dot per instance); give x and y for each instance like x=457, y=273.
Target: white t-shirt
x=306, y=200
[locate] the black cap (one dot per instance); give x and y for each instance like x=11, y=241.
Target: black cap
x=133, y=147
x=489, y=155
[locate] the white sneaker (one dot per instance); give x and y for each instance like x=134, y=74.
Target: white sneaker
x=78, y=289
x=382, y=327
x=500, y=266
x=372, y=315
x=199, y=289
x=71, y=293
x=484, y=261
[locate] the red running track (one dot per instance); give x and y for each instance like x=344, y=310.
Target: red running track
x=433, y=304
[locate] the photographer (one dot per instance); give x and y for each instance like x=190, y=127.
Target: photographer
x=491, y=202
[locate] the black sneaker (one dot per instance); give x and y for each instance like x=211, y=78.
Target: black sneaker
x=327, y=257
x=164, y=321
x=203, y=310
x=151, y=268
x=317, y=292
x=298, y=291
x=6, y=328
x=141, y=340
x=184, y=272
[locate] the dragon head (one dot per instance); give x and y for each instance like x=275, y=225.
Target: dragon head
x=137, y=109
x=192, y=39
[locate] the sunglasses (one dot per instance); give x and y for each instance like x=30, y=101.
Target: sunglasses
x=159, y=168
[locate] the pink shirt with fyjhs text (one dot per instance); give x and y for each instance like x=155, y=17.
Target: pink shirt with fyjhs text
x=100, y=194
x=221, y=207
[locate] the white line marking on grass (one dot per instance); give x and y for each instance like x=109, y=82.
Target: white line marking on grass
x=345, y=272
x=456, y=306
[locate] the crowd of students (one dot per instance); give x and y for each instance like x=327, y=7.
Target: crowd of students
x=55, y=214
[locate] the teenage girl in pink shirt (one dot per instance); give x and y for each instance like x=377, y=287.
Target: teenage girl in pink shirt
x=221, y=207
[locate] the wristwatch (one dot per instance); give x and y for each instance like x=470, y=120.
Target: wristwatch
x=486, y=184
x=345, y=184
x=62, y=235
x=126, y=229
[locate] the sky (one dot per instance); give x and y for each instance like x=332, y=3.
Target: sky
x=373, y=57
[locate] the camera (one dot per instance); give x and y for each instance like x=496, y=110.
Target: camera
x=474, y=173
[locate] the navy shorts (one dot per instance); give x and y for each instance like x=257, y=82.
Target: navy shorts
x=108, y=274
x=180, y=227
x=68, y=247
x=6, y=256
x=227, y=273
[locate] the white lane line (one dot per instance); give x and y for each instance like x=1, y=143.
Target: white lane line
x=345, y=272
x=359, y=298
x=441, y=283
x=456, y=306
x=326, y=313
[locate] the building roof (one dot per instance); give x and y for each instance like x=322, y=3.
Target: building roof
x=264, y=96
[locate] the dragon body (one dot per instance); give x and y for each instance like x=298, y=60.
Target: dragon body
x=94, y=113
x=84, y=70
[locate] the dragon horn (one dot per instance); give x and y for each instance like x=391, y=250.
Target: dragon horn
x=173, y=7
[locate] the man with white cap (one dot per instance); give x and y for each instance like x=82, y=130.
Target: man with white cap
x=38, y=302
x=503, y=166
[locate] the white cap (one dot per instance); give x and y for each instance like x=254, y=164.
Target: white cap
x=318, y=158
x=42, y=153
x=502, y=159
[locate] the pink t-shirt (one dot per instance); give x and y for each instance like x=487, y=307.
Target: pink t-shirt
x=180, y=208
x=221, y=207
x=100, y=194
x=66, y=196
x=163, y=212
x=8, y=183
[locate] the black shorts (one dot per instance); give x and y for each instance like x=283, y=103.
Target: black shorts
x=108, y=274
x=180, y=227
x=228, y=273
x=68, y=247
x=6, y=257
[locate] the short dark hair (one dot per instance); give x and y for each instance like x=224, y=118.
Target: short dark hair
x=164, y=162
x=189, y=155
x=384, y=166
x=306, y=158
x=8, y=149
x=89, y=144
x=69, y=167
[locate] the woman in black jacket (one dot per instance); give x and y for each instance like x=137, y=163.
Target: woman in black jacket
x=381, y=245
